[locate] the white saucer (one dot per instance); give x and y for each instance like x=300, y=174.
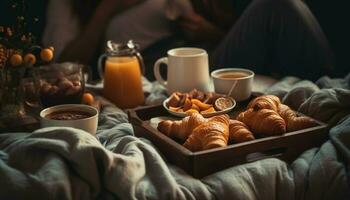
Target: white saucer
x=181, y=114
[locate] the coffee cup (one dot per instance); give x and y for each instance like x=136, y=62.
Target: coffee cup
x=70, y=115
x=188, y=68
x=236, y=82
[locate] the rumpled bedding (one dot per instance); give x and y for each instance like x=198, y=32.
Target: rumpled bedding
x=66, y=163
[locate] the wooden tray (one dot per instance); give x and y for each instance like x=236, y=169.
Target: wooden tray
x=198, y=164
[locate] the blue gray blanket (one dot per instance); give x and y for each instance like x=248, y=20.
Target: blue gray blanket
x=65, y=163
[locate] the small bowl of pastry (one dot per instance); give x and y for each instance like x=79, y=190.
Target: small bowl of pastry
x=207, y=104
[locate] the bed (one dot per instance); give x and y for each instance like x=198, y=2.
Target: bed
x=66, y=163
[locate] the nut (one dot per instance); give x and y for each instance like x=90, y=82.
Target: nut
x=53, y=90
x=65, y=84
x=76, y=83
x=73, y=90
x=45, y=87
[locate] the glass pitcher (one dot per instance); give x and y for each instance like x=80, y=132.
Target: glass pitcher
x=120, y=67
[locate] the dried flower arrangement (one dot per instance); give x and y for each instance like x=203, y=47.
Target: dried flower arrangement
x=19, y=53
x=19, y=49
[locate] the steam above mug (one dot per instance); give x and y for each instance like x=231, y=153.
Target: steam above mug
x=188, y=68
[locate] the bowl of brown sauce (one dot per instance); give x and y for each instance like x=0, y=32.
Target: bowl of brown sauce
x=71, y=115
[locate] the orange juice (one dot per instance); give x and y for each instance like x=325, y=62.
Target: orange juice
x=122, y=81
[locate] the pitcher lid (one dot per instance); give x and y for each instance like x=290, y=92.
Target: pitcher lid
x=116, y=48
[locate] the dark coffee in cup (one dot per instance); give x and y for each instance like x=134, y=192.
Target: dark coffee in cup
x=68, y=115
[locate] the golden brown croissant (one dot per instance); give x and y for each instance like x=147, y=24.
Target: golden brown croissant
x=265, y=102
x=239, y=132
x=212, y=134
x=293, y=121
x=266, y=122
x=181, y=129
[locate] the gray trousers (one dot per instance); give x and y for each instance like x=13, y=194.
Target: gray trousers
x=276, y=37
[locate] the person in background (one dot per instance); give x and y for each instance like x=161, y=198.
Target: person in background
x=78, y=29
x=275, y=37
x=193, y=23
x=279, y=38
x=209, y=22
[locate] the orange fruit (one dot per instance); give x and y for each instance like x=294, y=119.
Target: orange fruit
x=51, y=48
x=16, y=60
x=88, y=98
x=29, y=59
x=46, y=55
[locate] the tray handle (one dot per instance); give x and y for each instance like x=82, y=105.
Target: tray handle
x=271, y=153
x=134, y=118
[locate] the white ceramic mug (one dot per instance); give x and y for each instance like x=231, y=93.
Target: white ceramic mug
x=240, y=88
x=88, y=124
x=188, y=68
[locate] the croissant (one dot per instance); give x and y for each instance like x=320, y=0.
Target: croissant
x=293, y=121
x=266, y=122
x=265, y=102
x=239, y=132
x=214, y=133
x=181, y=129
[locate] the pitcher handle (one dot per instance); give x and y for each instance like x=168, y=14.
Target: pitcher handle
x=156, y=71
x=100, y=65
x=142, y=64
